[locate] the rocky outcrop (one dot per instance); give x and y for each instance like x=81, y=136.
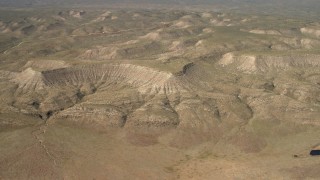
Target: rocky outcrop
x=54, y=90
x=267, y=32
x=263, y=63
x=77, y=13
x=311, y=31
x=44, y=65
x=30, y=80
x=94, y=116
x=143, y=78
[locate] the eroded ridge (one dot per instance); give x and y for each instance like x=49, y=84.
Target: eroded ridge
x=62, y=93
x=146, y=80
x=251, y=63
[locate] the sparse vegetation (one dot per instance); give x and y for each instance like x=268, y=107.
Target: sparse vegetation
x=125, y=93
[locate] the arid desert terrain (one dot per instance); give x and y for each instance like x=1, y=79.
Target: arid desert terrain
x=163, y=93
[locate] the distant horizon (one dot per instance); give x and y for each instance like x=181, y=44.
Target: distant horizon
x=292, y=8
x=39, y=3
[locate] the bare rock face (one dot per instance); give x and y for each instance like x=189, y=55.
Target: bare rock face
x=251, y=63
x=101, y=53
x=45, y=65
x=94, y=116
x=77, y=13
x=269, y=32
x=30, y=80
x=156, y=113
x=311, y=31
x=87, y=88
x=56, y=90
